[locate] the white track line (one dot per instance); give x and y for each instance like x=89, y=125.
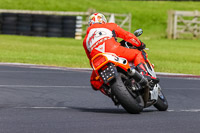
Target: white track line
x=41, y=86
x=185, y=110
x=41, y=107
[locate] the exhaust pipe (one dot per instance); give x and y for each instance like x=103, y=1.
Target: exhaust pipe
x=139, y=78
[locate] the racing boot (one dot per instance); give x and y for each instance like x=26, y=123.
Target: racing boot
x=142, y=69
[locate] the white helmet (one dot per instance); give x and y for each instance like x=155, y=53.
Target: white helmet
x=97, y=18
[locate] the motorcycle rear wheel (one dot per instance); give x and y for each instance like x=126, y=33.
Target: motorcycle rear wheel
x=128, y=102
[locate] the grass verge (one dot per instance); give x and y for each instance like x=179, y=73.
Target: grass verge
x=174, y=56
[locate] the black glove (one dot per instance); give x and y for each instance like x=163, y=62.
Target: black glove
x=142, y=46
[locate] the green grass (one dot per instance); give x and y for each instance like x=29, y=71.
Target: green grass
x=177, y=56
x=41, y=50
x=174, y=56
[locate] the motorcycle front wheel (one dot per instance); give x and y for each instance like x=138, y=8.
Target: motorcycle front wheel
x=161, y=104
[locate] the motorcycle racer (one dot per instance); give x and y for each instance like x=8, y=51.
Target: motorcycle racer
x=101, y=37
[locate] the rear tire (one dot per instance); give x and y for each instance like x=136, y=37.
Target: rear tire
x=124, y=97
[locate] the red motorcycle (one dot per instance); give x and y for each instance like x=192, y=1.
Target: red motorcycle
x=122, y=82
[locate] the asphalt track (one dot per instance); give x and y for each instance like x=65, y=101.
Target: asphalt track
x=42, y=100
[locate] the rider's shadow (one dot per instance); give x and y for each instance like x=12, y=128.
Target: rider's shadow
x=108, y=110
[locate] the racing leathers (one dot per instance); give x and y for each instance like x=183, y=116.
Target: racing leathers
x=101, y=38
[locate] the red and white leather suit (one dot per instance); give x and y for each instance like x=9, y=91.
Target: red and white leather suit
x=100, y=39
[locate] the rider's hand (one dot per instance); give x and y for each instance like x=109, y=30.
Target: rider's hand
x=142, y=46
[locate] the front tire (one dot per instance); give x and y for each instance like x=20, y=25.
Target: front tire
x=161, y=104
x=124, y=97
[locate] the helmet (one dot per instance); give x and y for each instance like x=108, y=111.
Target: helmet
x=97, y=18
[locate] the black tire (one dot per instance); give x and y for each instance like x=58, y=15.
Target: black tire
x=39, y=18
x=25, y=18
x=161, y=104
x=39, y=27
x=10, y=32
x=55, y=19
x=0, y=18
x=59, y=30
x=54, y=34
x=9, y=27
x=124, y=97
x=38, y=34
x=69, y=18
x=51, y=25
x=69, y=27
x=26, y=28
x=9, y=17
x=25, y=33
x=9, y=23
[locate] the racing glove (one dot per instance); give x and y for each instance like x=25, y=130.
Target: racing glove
x=142, y=46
